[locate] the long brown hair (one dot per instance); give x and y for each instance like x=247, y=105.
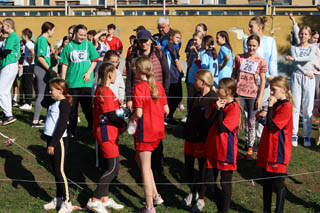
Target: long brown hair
x=62, y=85
x=143, y=65
x=261, y=21
x=230, y=86
x=103, y=71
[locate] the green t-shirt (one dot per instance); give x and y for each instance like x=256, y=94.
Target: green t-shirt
x=42, y=48
x=11, y=43
x=78, y=58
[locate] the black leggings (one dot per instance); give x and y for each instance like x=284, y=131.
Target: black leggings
x=84, y=97
x=27, y=82
x=278, y=184
x=190, y=174
x=57, y=163
x=174, y=97
x=157, y=159
x=223, y=197
x=110, y=168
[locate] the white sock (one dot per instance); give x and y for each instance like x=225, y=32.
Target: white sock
x=15, y=96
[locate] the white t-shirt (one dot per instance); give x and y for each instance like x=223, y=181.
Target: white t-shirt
x=27, y=53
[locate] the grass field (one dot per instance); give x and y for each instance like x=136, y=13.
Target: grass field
x=303, y=192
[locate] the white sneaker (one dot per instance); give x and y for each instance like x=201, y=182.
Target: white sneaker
x=79, y=120
x=55, y=203
x=26, y=107
x=183, y=120
x=112, y=204
x=96, y=206
x=198, y=207
x=66, y=207
x=190, y=197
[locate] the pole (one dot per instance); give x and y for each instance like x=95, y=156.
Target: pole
x=164, y=7
x=65, y=8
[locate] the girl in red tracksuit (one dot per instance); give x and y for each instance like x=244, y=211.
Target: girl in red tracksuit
x=150, y=106
x=107, y=126
x=222, y=141
x=274, y=150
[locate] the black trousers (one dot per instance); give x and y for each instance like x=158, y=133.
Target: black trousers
x=26, y=83
x=223, y=196
x=157, y=161
x=276, y=182
x=174, y=97
x=110, y=168
x=84, y=97
x=191, y=93
x=191, y=176
x=57, y=162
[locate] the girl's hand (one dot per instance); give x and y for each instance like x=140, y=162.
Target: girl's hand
x=50, y=150
x=193, y=49
x=86, y=77
x=129, y=105
x=309, y=75
x=259, y=103
x=289, y=58
x=262, y=113
x=220, y=103
x=272, y=100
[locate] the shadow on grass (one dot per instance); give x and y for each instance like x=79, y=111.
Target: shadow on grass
x=15, y=170
x=175, y=130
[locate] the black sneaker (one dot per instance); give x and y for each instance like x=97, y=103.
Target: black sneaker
x=37, y=125
x=15, y=103
x=8, y=120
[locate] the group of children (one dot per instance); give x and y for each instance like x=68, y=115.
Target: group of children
x=220, y=88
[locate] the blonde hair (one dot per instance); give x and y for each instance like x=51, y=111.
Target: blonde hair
x=143, y=65
x=10, y=22
x=282, y=82
x=198, y=34
x=103, y=71
x=206, y=76
x=306, y=27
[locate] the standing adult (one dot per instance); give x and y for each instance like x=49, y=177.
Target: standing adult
x=78, y=60
x=161, y=74
x=9, y=56
x=113, y=41
x=42, y=68
x=268, y=51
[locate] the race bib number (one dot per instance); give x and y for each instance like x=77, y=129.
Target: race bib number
x=79, y=56
x=302, y=52
x=249, y=66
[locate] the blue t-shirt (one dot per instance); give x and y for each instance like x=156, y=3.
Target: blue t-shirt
x=226, y=72
x=193, y=69
x=208, y=62
x=172, y=53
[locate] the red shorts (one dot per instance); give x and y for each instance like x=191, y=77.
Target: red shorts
x=195, y=149
x=147, y=146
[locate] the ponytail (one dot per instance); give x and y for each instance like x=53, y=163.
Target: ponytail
x=143, y=65
x=69, y=98
x=290, y=97
x=153, y=88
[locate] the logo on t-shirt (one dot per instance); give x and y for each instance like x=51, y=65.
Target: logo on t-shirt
x=79, y=56
x=302, y=52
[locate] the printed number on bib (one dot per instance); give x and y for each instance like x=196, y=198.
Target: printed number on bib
x=79, y=56
x=249, y=66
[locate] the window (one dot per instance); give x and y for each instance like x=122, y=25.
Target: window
x=101, y=2
x=46, y=2
x=32, y=2
x=222, y=1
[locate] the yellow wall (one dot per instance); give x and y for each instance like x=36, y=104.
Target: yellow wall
x=280, y=28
